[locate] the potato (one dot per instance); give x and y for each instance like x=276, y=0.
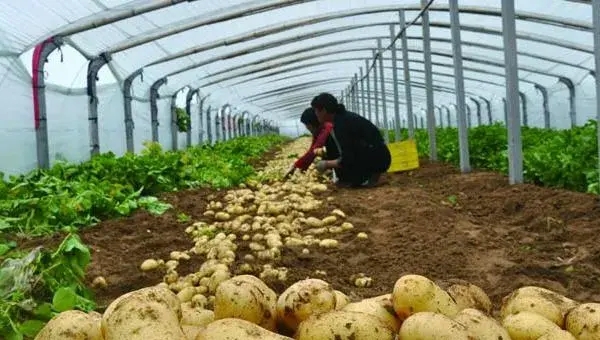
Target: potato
x=432, y=326
x=149, y=264
x=415, y=293
x=533, y=304
x=480, y=326
x=542, y=301
x=470, y=296
x=344, y=325
x=527, y=326
x=216, y=279
x=193, y=320
x=304, y=299
x=314, y=222
x=557, y=334
x=248, y=298
x=72, y=325
x=329, y=220
x=341, y=300
x=372, y=307
x=328, y=243
x=565, y=304
x=146, y=314
x=584, y=321
x=236, y=329
x=339, y=213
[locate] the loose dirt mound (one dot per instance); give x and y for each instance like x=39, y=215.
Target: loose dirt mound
x=434, y=221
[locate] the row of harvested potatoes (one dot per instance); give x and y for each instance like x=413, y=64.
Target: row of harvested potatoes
x=417, y=309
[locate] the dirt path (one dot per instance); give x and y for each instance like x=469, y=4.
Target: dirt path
x=433, y=221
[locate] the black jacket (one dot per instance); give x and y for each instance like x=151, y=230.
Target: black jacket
x=359, y=145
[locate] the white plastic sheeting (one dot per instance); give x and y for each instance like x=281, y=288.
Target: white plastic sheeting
x=252, y=58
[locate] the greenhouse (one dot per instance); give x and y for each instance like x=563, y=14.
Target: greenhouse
x=149, y=185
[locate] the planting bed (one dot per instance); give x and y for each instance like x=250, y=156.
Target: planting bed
x=432, y=221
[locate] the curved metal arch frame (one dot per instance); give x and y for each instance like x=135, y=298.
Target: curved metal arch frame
x=532, y=17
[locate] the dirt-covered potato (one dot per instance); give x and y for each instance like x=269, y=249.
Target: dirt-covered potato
x=470, y=296
x=146, y=314
x=304, y=299
x=480, y=326
x=432, y=326
x=557, y=334
x=415, y=293
x=246, y=297
x=341, y=300
x=544, y=302
x=372, y=307
x=344, y=325
x=72, y=325
x=193, y=320
x=237, y=329
x=584, y=321
x=527, y=326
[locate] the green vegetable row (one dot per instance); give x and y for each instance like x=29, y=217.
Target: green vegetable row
x=556, y=158
x=73, y=195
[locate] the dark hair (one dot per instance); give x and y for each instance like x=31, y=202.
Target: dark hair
x=328, y=102
x=309, y=117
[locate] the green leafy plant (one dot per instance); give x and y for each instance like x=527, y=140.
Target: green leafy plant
x=183, y=119
x=557, y=158
x=75, y=195
x=41, y=284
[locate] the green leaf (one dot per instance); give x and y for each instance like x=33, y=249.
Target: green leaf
x=44, y=311
x=6, y=247
x=64, y=299
x=31, y=328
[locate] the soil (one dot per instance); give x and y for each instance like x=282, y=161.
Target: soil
x=433, y=221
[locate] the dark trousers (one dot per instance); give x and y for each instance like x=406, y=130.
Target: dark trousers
x=372, y=160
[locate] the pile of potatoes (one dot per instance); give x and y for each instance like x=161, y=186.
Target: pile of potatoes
x=245, y=308
x=247, y=232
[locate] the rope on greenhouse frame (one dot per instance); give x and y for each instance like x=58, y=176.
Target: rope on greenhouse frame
x=380, y=53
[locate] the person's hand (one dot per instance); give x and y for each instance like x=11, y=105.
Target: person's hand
x=321, y=166
x=290, y=172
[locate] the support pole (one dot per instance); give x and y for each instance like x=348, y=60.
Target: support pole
x=208, y=126
x=429, y=81
x=40, y=57
x=407, y=84
x=188, y=110
x=596, y=20
x=395, y=81
x=368, y=91
x=386, y=128
x=154, y=106
x=572, y=108
x=488, y=104
x=355, y=93
x=469, y=116
x=376, y=91
x=463, y=137
x=523, y=98
x=441, y=120
x=92, y=77
x=218, y=125
x=174, y=119
x=505, y=112
x=201, y=120
x=545, y=105
x=129, y=124
x=447, y=115
x=515, y=146
x=362, y=94
x=478, y=105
